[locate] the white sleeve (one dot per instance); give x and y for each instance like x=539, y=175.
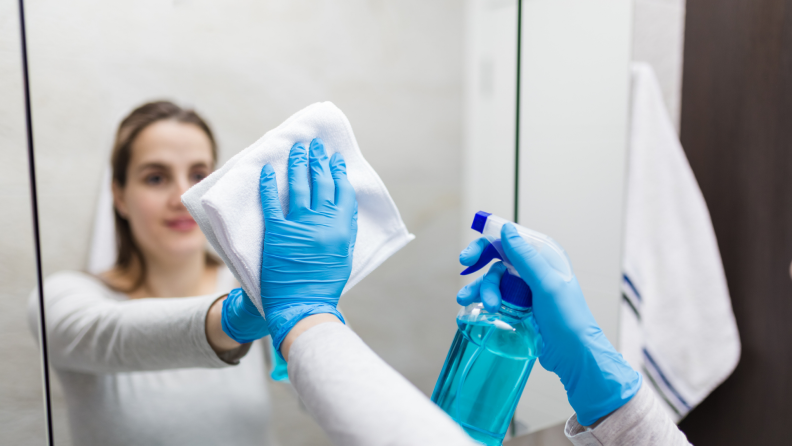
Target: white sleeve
x=87, y=331
x=358, y=399
x=640, y=421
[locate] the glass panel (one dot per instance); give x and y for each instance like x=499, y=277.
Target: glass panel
x=22, y=414
x=395, y=69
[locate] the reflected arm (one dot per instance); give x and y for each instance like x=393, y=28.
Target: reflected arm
x=89, y=331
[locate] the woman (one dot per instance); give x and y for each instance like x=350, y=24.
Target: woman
x=139, y=363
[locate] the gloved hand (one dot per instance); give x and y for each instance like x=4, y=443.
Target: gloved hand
x=241, y=319
x=596, y=377
x=307, y=255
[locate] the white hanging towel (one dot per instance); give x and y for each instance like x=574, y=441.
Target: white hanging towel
x=227, y=207
x=677, y=324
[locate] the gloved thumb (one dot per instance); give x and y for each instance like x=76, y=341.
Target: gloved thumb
x=533, y=268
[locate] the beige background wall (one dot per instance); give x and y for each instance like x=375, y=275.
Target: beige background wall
x=658, y=38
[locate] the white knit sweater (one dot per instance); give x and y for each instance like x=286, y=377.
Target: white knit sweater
x=141, y=371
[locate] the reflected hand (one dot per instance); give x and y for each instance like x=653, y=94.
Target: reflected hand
x=240, y=319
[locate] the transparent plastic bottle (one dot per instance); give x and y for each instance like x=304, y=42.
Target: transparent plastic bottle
x=489, y=362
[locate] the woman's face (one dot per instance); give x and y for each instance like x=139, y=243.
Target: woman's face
x=168, y=157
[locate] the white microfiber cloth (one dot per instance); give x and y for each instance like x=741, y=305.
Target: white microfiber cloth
x=677, y=324
x=227, y=207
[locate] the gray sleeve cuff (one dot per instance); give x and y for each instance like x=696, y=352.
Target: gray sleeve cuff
x=201, y=342
x=641, y=421
x=232, y=357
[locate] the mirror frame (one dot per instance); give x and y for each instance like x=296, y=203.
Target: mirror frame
x=35, y=222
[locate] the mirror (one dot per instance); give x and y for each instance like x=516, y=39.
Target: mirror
x=22, y=411
x=431, y=90
x=548, y=148
x=394, y=68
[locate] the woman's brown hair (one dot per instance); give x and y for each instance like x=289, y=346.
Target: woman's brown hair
x=130, y=259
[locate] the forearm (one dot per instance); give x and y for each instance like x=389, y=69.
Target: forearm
x=136, y=335
x=357, y=398
x=641, y=421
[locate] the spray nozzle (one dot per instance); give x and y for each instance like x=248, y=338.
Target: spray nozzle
x=490, y=227
x=513, y=289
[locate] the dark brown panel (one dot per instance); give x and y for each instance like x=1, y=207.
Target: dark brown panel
x=737, y=131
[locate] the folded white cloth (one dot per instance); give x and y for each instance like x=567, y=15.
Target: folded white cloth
x=227, y=207
x=677, y=324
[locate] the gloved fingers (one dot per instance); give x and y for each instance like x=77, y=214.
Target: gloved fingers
x=299, y=191
x=344, y=192
x=526, y=260
x=323, y=187
x=470, y=293
x=485, y=289
x=490, y=287
x=470, y=255
x=268, y=192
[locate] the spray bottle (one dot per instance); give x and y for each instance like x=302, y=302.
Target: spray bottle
x=493, y=353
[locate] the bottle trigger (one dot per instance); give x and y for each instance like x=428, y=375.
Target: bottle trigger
x=487, y=254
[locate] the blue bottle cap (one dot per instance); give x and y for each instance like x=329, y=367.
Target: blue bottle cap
x=479, y=220
x=515, y=291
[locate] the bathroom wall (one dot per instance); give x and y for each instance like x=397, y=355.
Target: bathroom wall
x=658, y=38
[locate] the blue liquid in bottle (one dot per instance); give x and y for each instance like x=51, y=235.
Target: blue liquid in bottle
x=488, y=365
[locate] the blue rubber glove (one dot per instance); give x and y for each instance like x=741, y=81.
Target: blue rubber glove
x=241, y=319
x=280, y=370
x=596, y=377
x=307, y=255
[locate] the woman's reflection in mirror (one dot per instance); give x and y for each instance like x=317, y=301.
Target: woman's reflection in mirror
x=139, y=349
x=160, y=151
